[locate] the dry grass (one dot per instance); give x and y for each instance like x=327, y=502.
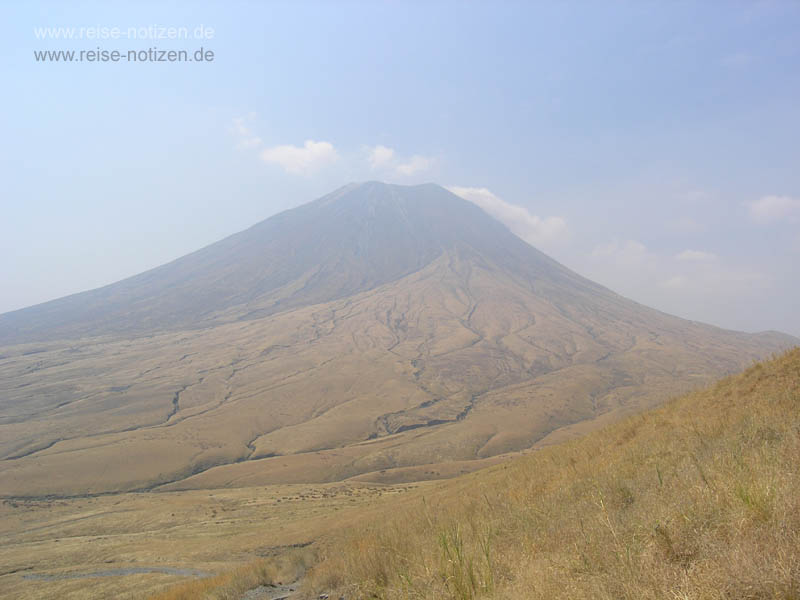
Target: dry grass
x=697, y=500
x=286, y=568
x=210, y=531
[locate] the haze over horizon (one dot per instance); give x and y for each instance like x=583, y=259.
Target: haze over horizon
x=653, y=149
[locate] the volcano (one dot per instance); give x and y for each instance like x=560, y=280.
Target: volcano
x=382, y=332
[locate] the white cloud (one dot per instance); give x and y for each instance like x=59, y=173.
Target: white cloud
x=300, y=159
x=690, y=284
x=380, y=156
x=676, y=282
x=535, y=230
x=768, y=209
x=247, y=139
x=385, y=158
x=414, y=165
x=671, y=282
x=696, y=256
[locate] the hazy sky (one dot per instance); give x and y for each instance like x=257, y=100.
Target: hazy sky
x=653, y=147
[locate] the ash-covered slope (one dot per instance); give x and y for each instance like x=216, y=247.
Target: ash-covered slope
x=354, y=239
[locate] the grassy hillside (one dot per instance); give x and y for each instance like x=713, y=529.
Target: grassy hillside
x=698, y=499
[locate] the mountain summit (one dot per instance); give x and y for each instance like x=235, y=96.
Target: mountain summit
x=381, y=332
x=352, y=240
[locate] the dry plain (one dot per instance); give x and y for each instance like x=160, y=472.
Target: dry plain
x=72, y=548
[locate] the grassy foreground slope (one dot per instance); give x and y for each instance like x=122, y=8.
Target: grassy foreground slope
x=698, y=499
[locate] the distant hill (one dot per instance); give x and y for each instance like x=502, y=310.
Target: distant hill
x=380, y=332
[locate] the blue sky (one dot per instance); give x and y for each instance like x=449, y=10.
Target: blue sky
x=652, y=147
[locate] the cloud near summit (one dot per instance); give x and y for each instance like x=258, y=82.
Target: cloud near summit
x=380, y=156
x=300, y=159
x=384, y=158
x=535, y=230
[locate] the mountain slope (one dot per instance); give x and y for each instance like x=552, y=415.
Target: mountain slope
x=698, y=499
x=379, y=332
x=349, y=241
